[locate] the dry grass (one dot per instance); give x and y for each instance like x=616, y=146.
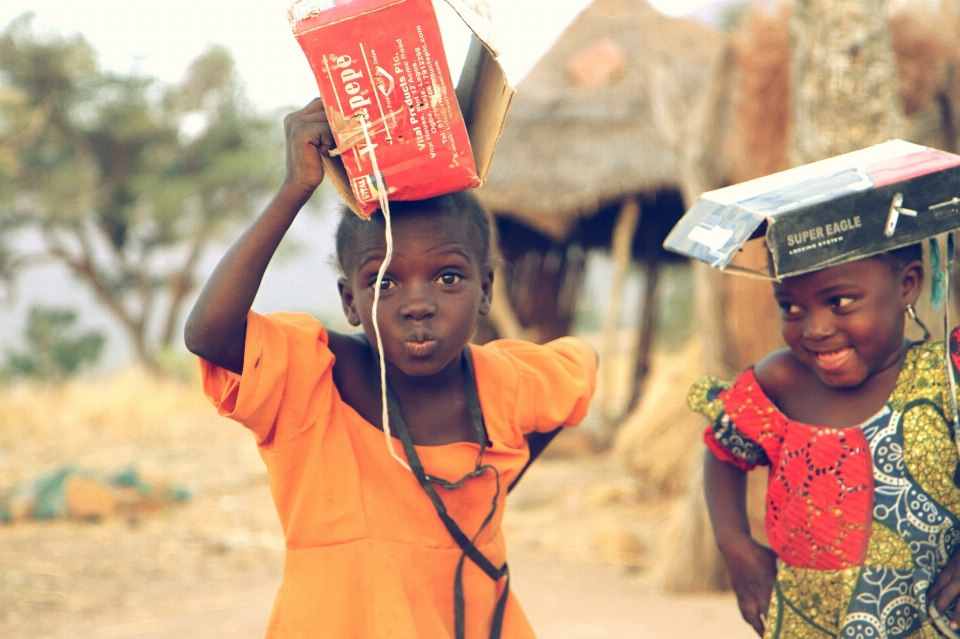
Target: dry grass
x=60, y=575
x=223, y=549
x=763, y=117
x=657, y=442
x=162, y=427
x=659, y=445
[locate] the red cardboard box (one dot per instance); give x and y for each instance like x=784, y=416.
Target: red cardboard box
x=383, y=61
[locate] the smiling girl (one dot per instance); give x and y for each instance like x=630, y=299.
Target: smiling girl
x=854, y=420
x=377, y=548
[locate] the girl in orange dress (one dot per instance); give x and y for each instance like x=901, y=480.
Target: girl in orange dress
x=375, y=549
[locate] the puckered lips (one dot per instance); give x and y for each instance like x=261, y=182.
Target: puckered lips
x=833, y=361
x=421, y=343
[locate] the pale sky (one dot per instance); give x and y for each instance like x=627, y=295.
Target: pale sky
x=160, y=37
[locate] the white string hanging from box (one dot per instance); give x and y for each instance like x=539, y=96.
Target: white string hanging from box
x=388, y=232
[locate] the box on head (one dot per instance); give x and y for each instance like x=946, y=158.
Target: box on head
x=824, y=213
x=381, y=66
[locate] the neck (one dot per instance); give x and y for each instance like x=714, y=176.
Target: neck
x=450, y=376
x=895, y=361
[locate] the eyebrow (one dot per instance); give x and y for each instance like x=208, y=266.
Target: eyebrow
x=826, y=291
x=456, y=249
x=839, y=287
x=378, y=256
x=371, y=257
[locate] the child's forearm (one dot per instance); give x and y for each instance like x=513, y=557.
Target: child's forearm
x=216, y=327
x=725, y=488
x=752, y=567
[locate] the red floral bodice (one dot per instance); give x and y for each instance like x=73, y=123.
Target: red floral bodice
x=820, y=491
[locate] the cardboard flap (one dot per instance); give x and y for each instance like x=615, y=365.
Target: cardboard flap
x=713, y=232
x=484, y=96
x=476, y=14
x=334, y=171
x=753, y=259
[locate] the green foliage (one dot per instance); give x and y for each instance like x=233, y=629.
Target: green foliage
x=177, y=364
x=733, y=15
x=54, y=350
x=125, y=181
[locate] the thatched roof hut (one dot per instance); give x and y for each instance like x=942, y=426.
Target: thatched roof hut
x=595, y=153
x=601, y=117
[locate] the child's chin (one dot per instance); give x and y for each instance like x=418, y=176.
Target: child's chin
x=842, y=380
x=423, y=366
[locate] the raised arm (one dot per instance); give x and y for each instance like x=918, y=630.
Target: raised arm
x=752, y=567
x=216, y=327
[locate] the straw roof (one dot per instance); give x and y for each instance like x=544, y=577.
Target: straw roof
x=601, y=116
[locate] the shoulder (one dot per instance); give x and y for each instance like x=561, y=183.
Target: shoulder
x=497, y=361
x=925, y=355
x=295, y=325
x=779, y=373
x=349, y=346
x=569, y=348
x=353, y=358
x=289, y=339
x=713, y=398
x=356, y=374
x=283, y=338
x=535, y=387
x=704, y=396
x=518, y=359
x=923, y=377
x=923, y=366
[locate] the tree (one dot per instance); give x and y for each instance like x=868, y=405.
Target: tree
x=846, y=93
x=827, y=85
x=124, y=181
x=53, y=352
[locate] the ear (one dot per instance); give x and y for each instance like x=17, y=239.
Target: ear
x=348, y=301
x=486, y=286
x=911, y=282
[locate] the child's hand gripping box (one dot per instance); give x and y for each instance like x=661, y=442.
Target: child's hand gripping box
x=383, y=62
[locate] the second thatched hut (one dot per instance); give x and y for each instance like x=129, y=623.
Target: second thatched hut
x=593, y=156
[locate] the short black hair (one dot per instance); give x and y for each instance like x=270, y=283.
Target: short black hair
x=462, y=205
x=902, y=256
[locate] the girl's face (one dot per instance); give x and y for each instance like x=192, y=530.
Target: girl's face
x=432, y=294
x=846, y=322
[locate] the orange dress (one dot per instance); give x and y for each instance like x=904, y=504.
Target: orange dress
x=367, y=555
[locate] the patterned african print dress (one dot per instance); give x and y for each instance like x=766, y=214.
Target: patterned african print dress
x=862, y=519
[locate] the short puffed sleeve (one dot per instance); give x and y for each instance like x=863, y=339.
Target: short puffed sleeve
x=537, y=387
x=725, y=439
x=287, y=382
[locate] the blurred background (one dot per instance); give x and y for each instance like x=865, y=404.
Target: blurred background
x=137, y=139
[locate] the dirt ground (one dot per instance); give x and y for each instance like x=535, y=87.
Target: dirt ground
x=581, y=544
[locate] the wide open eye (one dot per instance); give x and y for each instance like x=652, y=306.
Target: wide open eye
x=385, y=285
x=449, y=278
